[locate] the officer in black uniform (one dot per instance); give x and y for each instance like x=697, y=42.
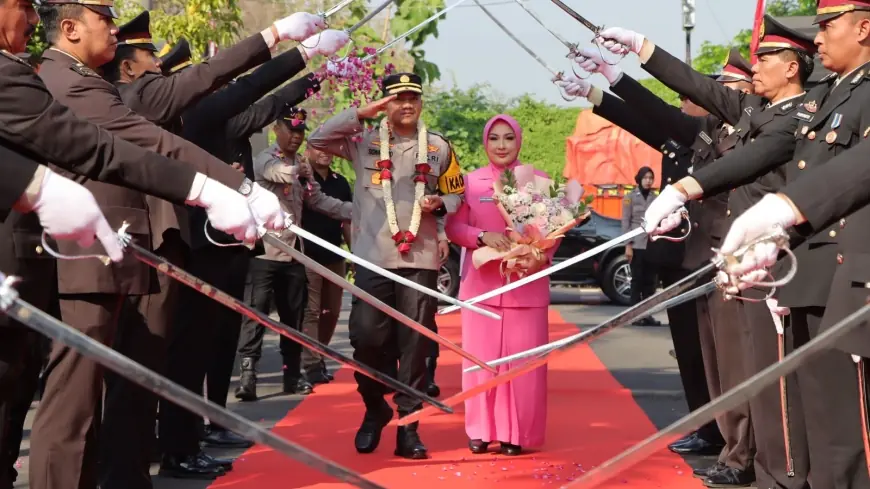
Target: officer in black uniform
x=827, y=126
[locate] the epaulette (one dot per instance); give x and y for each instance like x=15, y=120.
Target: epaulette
x=439, y=135
x=859, y=77
x=83, y=70
x=829, y=77
x=11, y=56
x=787, y=107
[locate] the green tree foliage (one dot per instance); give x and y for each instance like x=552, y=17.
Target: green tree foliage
x=409, y=14
x=37, y=43
x=712, y=56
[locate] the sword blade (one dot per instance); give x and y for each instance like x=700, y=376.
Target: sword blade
x=626, y=317
x=383, y=272
x=550, y=270
x=44, y=324
x=579, y=18
x=372, y=300
x=335, y=9
x=414, y=29
x=561, y=39
x=731, y=399
x=176, y=273
x=516, y=40
x=684, y=297
x=369, y=16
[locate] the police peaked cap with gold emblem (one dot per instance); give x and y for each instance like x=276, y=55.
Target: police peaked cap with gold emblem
x=294, y=118
x=102, y=7
x=736, y=68
x=176, y=58
x=774, y=36
x=402, y=82
x=829, y=9
x=137, y=33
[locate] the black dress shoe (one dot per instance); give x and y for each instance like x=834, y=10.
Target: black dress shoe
x=432, y=390
x=698, y=446
x=326, y=371
x=316, y=377
x=705, y=472
x=247, y=389
x=368, y=437
x=298, y=386
x=684, y=440
x=408, y=443
x=731, y=477
x=189, y=467
x=218, y=438
x=511, y=450
x=478, y=447
x=223, y=463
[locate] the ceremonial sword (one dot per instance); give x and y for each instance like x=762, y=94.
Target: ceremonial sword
x=564, y=264
x=557, y=75
x=579, y=18
x=370, y=299
x=39, y=321
x=727, y=401
x=641, y=309
x=369, y=16
x=333, y=10
x=176, y=273
x=680, y=299
x=414, y=29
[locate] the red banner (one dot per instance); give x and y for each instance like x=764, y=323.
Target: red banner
x=756, y=28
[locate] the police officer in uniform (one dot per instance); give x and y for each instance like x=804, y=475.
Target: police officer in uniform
x=827, y=126
x=379, y=341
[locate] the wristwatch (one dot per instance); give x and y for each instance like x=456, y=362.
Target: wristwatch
x=246, y=187
x=480, y=238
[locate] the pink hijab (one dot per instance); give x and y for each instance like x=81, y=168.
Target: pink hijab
x=518, y=131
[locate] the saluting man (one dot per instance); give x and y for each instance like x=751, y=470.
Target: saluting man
x=407, y=181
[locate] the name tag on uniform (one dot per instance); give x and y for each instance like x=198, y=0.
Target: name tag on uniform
x=803, y=116
x=487, y=199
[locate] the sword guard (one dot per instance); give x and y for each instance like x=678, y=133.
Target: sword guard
x=105, y=260
x=8, y=292
x=684, y=214
x=731, y=285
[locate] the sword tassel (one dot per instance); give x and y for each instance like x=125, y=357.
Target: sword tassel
x=783, y=403
x=862, y=401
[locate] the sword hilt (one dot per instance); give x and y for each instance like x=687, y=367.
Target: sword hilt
x=8, y=291
x=684, y=216
x=731, y=285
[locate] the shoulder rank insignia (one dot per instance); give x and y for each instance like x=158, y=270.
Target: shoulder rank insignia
x=829, y=77
x=83, y=70
x=811, y=106
x=858, y=77
x=787, y=107
x=11, y=56
x=866, y=132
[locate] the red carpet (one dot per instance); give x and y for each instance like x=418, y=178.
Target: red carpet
x=591, y=418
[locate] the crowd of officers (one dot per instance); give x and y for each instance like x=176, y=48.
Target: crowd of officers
x=750, y=132
x=161, y=144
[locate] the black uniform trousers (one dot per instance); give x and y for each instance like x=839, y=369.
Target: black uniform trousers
x=683, y=323
x=782, y=456
x=130, y=412
x=287, y=284
x=196, y=325
x=22, y=352
x=723, y=338
x=643, y=276
x=386, y=345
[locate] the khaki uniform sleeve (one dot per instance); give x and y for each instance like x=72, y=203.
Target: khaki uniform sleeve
x=324, y=204
x=336, y=135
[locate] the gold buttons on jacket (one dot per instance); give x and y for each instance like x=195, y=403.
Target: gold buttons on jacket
x=39, y=250
x=811, y=135
x=802, y=164
x=840, y=259
x=832, y=234
x=728, y=212
x=669, y=179
x=842, y=223
x=695, y=224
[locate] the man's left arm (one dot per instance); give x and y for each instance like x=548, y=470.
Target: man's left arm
x=266, y=110
x=318, y=201
x=163, y=98
x=451, y=184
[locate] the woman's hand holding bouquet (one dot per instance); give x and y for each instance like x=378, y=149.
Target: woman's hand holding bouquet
x=538, y=213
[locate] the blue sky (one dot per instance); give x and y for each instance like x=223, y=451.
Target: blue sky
x=471, y=49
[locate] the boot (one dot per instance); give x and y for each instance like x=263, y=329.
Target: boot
x=247, y=389
x=368, y=437
x=432, y=389
x=295, y=384
x=408, y=444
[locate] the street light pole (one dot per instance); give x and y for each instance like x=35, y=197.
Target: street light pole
x=688, y=25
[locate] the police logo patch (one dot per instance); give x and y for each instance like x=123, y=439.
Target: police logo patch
x=811, y=106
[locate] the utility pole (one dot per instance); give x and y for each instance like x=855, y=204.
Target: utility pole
x=688, y=25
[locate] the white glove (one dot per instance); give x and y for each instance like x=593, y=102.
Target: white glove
x=591, y=61
x=227, y=210
x=664, y=213
x=617, y=39
x=299, y=26
x=755, y=223
x=68, y=211
x=266, y=209
x=574, y=86
x=326, y=43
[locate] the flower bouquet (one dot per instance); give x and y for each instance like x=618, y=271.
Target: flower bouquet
x=538, y=212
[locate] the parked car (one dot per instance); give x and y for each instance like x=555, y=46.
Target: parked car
x=608, y=270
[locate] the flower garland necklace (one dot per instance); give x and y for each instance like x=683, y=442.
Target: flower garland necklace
x=403, y=239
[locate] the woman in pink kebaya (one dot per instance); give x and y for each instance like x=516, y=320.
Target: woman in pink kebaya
x=513, y=414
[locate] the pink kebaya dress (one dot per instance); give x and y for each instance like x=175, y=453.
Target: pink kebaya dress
x=515, y=412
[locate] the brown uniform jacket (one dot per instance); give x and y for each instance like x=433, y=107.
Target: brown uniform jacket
x=95, y=99
x=371, y=235
x=162, y=99
x=280, y=175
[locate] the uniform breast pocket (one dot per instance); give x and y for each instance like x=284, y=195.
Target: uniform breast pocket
x=372, y=181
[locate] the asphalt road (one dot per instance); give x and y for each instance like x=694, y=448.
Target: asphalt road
x=637, y=356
